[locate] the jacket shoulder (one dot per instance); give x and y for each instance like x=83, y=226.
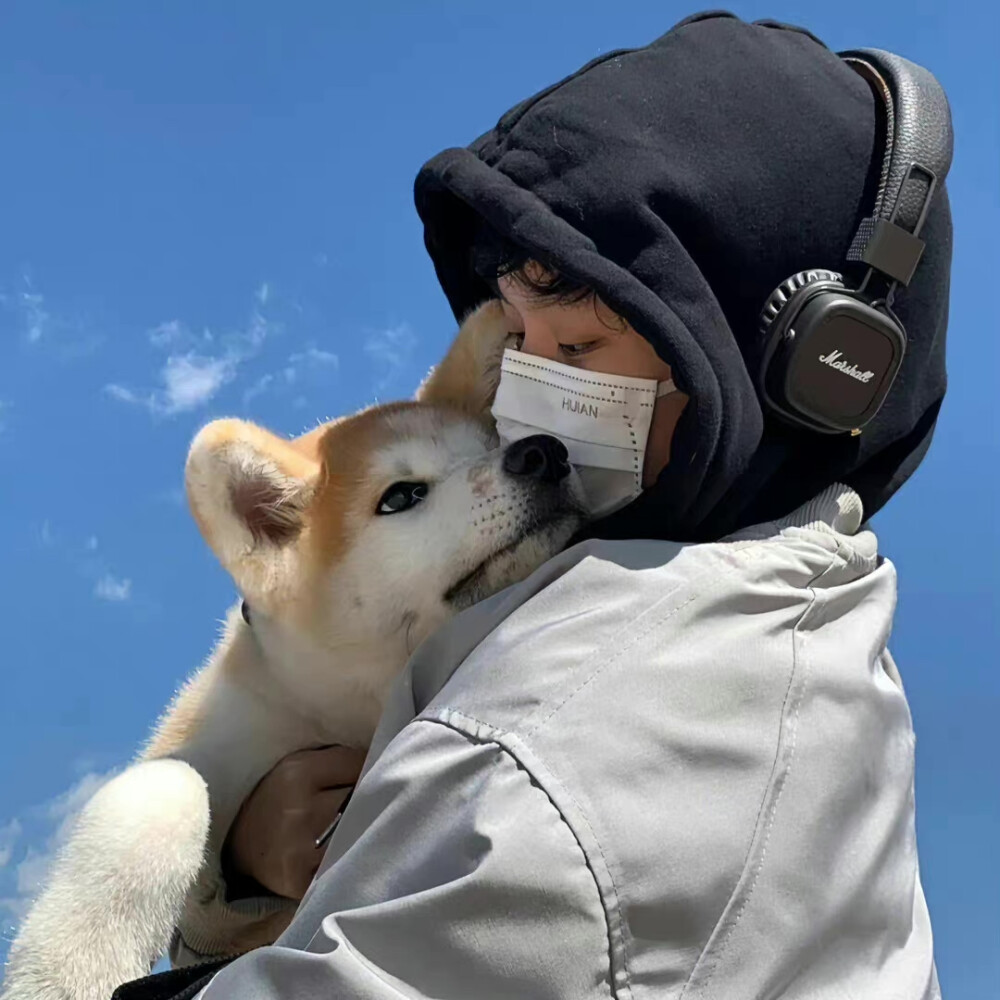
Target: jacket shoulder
x=651, y=691
x=634, y=610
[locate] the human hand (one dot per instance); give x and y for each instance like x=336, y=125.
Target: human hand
x=273, y=838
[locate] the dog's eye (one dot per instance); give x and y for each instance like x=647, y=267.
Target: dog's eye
x=401, y=496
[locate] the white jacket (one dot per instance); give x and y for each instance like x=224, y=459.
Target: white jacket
x=650, y=770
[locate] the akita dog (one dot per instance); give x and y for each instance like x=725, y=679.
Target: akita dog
x=349, y=545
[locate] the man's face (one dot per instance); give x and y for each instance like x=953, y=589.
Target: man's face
x=589, y=335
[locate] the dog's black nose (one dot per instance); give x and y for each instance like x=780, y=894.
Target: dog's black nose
x=538, y=457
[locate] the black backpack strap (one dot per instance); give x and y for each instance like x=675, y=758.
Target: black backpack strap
x=174, y=984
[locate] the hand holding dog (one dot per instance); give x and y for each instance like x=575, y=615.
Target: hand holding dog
x=272, y=840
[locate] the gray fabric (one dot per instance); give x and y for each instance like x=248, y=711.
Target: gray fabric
x=651, y=770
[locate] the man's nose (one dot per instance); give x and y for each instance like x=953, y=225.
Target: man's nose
x=539, y=457
x=539, y=340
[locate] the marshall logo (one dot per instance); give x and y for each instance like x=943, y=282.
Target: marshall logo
x=579, y=406
x=832, y=359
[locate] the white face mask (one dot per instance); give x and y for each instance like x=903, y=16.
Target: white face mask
x=603, y=420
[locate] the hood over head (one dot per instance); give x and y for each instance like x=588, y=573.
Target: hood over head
x=684, y=181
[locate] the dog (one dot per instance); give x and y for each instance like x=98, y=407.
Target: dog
x=349, y=546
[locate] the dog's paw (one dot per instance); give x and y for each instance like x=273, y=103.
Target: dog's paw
x=115, y=892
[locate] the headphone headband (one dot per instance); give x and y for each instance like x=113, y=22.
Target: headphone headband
x=832, y=353
x=918, y=150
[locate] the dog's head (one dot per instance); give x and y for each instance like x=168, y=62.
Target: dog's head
x=377, y=527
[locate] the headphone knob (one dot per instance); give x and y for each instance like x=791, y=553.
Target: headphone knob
x=781, y=296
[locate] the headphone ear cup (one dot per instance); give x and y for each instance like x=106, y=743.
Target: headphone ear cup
x=788, y=289
x=830, y=357
x=776, y=319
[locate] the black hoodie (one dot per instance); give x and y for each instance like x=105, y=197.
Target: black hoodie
x=684, y=181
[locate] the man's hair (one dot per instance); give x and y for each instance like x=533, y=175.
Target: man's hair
x=495, y=256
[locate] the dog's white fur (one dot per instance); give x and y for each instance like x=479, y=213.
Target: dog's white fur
x=339, y=598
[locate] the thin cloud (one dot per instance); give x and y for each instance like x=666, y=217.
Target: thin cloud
x=314, y=356
x=119, y=392
x=192, y=380
x=27, y=306
x=167, y=334
x=109, y=588
x=175, y=336
x=390, y=350
x=46, y=536
x=88, y=565
x=10, y=834
x=197, y=366
x=189, y=381
x=262, y=385
x=36, y=316
x=246, y=343
x=302, y=366
x=44, y=327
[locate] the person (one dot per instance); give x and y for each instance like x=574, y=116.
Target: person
x=678, y=759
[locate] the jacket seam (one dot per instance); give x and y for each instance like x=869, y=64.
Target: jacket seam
x=499, y=738
x=784, y=702
x=713, y=952
x=604, y=662
x=600, y=655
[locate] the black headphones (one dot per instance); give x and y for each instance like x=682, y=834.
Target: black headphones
x=833, y=352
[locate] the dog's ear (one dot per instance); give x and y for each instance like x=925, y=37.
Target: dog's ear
x=249, y=490
x=467, y=377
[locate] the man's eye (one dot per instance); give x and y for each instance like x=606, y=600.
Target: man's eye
x=575, y=350
x=401, y=496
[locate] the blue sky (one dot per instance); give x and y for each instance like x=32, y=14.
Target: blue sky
x=207, y=211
